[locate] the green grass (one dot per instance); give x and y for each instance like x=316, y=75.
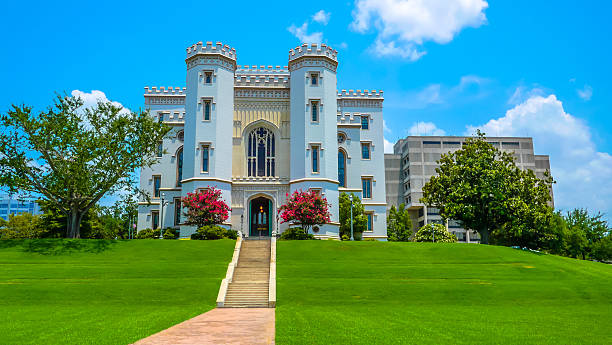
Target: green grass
x=423, y=293
x=104, y=292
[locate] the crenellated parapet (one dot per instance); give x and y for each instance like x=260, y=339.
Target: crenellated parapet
x=361, y=94
x=162, y=91
x=272, y=81
x=262, y=69
x=210, y=48
x=360, y=99
x=313, y=50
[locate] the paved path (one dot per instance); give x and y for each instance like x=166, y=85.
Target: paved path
x=220, y=326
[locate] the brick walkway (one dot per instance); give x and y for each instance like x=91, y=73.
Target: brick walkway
x=220, y=326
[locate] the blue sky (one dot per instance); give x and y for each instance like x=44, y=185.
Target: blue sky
x=521, y=68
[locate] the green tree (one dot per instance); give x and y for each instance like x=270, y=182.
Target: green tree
x=360, y=221
x=584, y=231
x=72, y=156
x=602, y=249
x=399, y=225
x=434, y=233
x=18, y=226
x=483, y=188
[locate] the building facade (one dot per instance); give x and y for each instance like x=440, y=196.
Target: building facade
x=414, y=162
x=261, y=133
x=11, y=205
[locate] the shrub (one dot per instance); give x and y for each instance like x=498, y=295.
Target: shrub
x=20, y=226
x=437, y=232
x=171, y=234
x=346, y=237
x=296, y=234
x=602, y=249
x=214, y=232
x=147, y=234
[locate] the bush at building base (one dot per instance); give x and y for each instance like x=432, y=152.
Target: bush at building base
x=171, y=234
x=147, y=234
x=214, y=232
x=434, y=233
x=296, y=234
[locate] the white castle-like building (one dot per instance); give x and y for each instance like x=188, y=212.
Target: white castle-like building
x=260, y=133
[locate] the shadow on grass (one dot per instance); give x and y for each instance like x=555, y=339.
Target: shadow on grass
x=59, y=246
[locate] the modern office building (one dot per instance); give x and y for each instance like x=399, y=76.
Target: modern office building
x=260, y=133
x=413, y=162
x=11, y=205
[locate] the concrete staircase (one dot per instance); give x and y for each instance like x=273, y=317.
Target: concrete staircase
x=250, y=285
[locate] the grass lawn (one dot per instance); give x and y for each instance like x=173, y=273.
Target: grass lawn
x=104, y=292
x=423, y=293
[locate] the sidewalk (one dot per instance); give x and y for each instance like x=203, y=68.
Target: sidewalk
x=220, y=326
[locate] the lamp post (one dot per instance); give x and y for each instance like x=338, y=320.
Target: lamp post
x=351, y=198
x=161, y=216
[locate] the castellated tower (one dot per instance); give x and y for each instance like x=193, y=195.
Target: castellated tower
x=314, y=147
x=209, y=108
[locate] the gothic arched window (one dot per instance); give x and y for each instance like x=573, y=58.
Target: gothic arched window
x=179, y=166
x=342, y=168
x=261, y=153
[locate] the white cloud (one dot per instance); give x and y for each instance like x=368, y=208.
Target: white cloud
x=92, y=98
x=321, y=17
x=404, y=25
x=586, y=93
x=425, y=128
x=385, y=128
x=301, y=32
x=388, y=146
x=581, y=171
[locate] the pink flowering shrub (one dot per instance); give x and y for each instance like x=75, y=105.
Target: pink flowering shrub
x=305, y=208
x=205, y=208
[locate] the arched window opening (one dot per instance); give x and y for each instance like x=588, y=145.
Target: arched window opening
x=179, y=166
x=342, y=168
x=261, y=153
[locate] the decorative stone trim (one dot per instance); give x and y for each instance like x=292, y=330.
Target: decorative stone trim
x=272, y=281
x=205, y=179
x=314, y=179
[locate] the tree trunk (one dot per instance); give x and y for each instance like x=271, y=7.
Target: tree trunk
x=74, y=224
x=484, y=236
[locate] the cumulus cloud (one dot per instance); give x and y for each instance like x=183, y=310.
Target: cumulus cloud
x=91, y=99
x=425, y=128
x=586, y=93
x=388, y=146
x=321, y=17
x=581, y=171
x=403, y=26
x=301, y=32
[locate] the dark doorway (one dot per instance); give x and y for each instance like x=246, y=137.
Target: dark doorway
x=260, y=217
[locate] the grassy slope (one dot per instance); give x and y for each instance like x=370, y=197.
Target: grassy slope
x=373, y=293
x=104, y=292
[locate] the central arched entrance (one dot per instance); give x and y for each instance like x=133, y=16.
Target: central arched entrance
x=260, y=217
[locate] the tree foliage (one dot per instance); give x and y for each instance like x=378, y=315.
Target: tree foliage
x=360, y=221
x=434, y=233
x=21, y=226
x=306, y=209
x=205, y=207
x=399, y=225
x=73, y=156
x=483, y=188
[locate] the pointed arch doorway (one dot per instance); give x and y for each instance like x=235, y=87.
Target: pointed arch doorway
x=260, y=216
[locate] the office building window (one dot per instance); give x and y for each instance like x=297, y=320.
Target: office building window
x=365, y=122
x=366, y=188
x=314, y=105
x=156, y=185
x=205, y=157
x=365, y=151
x=315, y=159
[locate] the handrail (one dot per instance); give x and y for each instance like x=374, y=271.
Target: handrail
x=272, y=281
x=229, y=276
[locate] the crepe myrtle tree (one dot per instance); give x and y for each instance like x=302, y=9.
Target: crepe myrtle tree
x=306, y=209
x=71, y=156
x=205, y=207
